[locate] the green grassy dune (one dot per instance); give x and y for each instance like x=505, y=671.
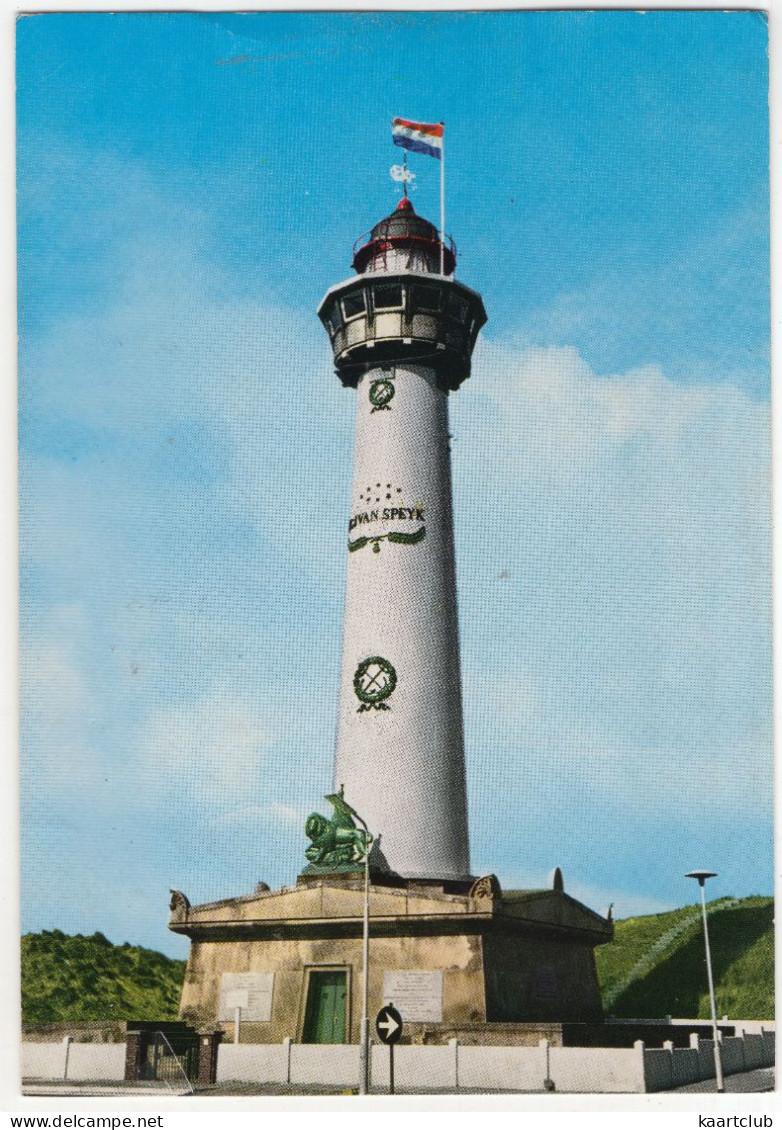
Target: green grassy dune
x=88, y=978
x=656, y=965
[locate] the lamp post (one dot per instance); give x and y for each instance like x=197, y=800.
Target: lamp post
x=363, y=1081
x=702, y=876
x=345, y=813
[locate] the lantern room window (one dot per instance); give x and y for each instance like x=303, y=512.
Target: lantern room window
x=389, y=296
x=425, y=300
x=355, y=304
x=457, y=307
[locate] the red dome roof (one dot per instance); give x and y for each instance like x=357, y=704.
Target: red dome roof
x=402, y=229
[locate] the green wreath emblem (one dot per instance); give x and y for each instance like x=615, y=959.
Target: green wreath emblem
x=372, y=688
x=380, y=393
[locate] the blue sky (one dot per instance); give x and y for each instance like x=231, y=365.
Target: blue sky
x=189, y=186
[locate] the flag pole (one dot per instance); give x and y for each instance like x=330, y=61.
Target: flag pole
x=442, y=202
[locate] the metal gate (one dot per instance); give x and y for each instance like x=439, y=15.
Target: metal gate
x=173, y=1059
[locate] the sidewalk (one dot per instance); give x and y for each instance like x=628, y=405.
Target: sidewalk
x=103, y=1090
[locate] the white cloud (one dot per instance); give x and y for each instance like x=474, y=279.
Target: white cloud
x=59, y=707
x=210, y=750
x=252, y=814
x=49, y=673
x=287, y=815
x=701, y=313
x=613, y=544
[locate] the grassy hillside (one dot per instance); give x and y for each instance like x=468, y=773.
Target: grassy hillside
x=79, y=978
x=656, y=966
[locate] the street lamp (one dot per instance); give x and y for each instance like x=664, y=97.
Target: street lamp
x=348, y=814
x=702, y=876
x=363, y=1082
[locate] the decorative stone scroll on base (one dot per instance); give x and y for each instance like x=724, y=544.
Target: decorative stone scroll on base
x=487, y=887
x=179, y=907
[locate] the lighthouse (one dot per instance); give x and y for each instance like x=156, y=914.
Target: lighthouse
x=456, y=953
x=402, y=333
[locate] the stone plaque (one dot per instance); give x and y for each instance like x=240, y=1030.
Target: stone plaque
x=237, y=998
x=416, y=994
x=251, y=992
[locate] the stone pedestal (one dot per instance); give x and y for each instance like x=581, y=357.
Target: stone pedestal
x=450, y=957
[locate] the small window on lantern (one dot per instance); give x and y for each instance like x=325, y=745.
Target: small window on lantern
x=354, y=304
x=425, y=300
x=457, y=307
x=389, y=296
x=333, y=321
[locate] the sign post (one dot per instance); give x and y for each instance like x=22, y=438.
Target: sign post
x=388, y=1025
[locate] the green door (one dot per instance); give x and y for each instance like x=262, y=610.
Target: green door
x=325, y=1018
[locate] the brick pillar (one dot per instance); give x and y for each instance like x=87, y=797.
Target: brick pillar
x=135, y=1055
x=208, y=1043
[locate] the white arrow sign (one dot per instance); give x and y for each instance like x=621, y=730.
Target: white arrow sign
x=389, y=1024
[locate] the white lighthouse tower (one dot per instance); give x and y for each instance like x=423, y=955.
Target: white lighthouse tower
x=402, y=334
x=452, y=950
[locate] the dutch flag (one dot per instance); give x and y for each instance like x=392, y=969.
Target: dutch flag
x=418, y=136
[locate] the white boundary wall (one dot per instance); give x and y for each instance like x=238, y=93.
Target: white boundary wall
x=450, y=1067
x=668, y=1067
x=96, y=1061
x=74, y=1062
x=598, y=1070
x=417, y=1067
x=337, y=1064
x=45, y=1061
x=470, y=1068
x=502, y=1068
x=257, y=1063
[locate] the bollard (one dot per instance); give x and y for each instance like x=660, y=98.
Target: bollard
x=548, y=1082
x=640, y=1047
x=668, y=1047
x=455, y=1045
x=288, y=1043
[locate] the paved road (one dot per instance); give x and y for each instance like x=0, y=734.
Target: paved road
x=749, y=1082
x=746, y=1083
